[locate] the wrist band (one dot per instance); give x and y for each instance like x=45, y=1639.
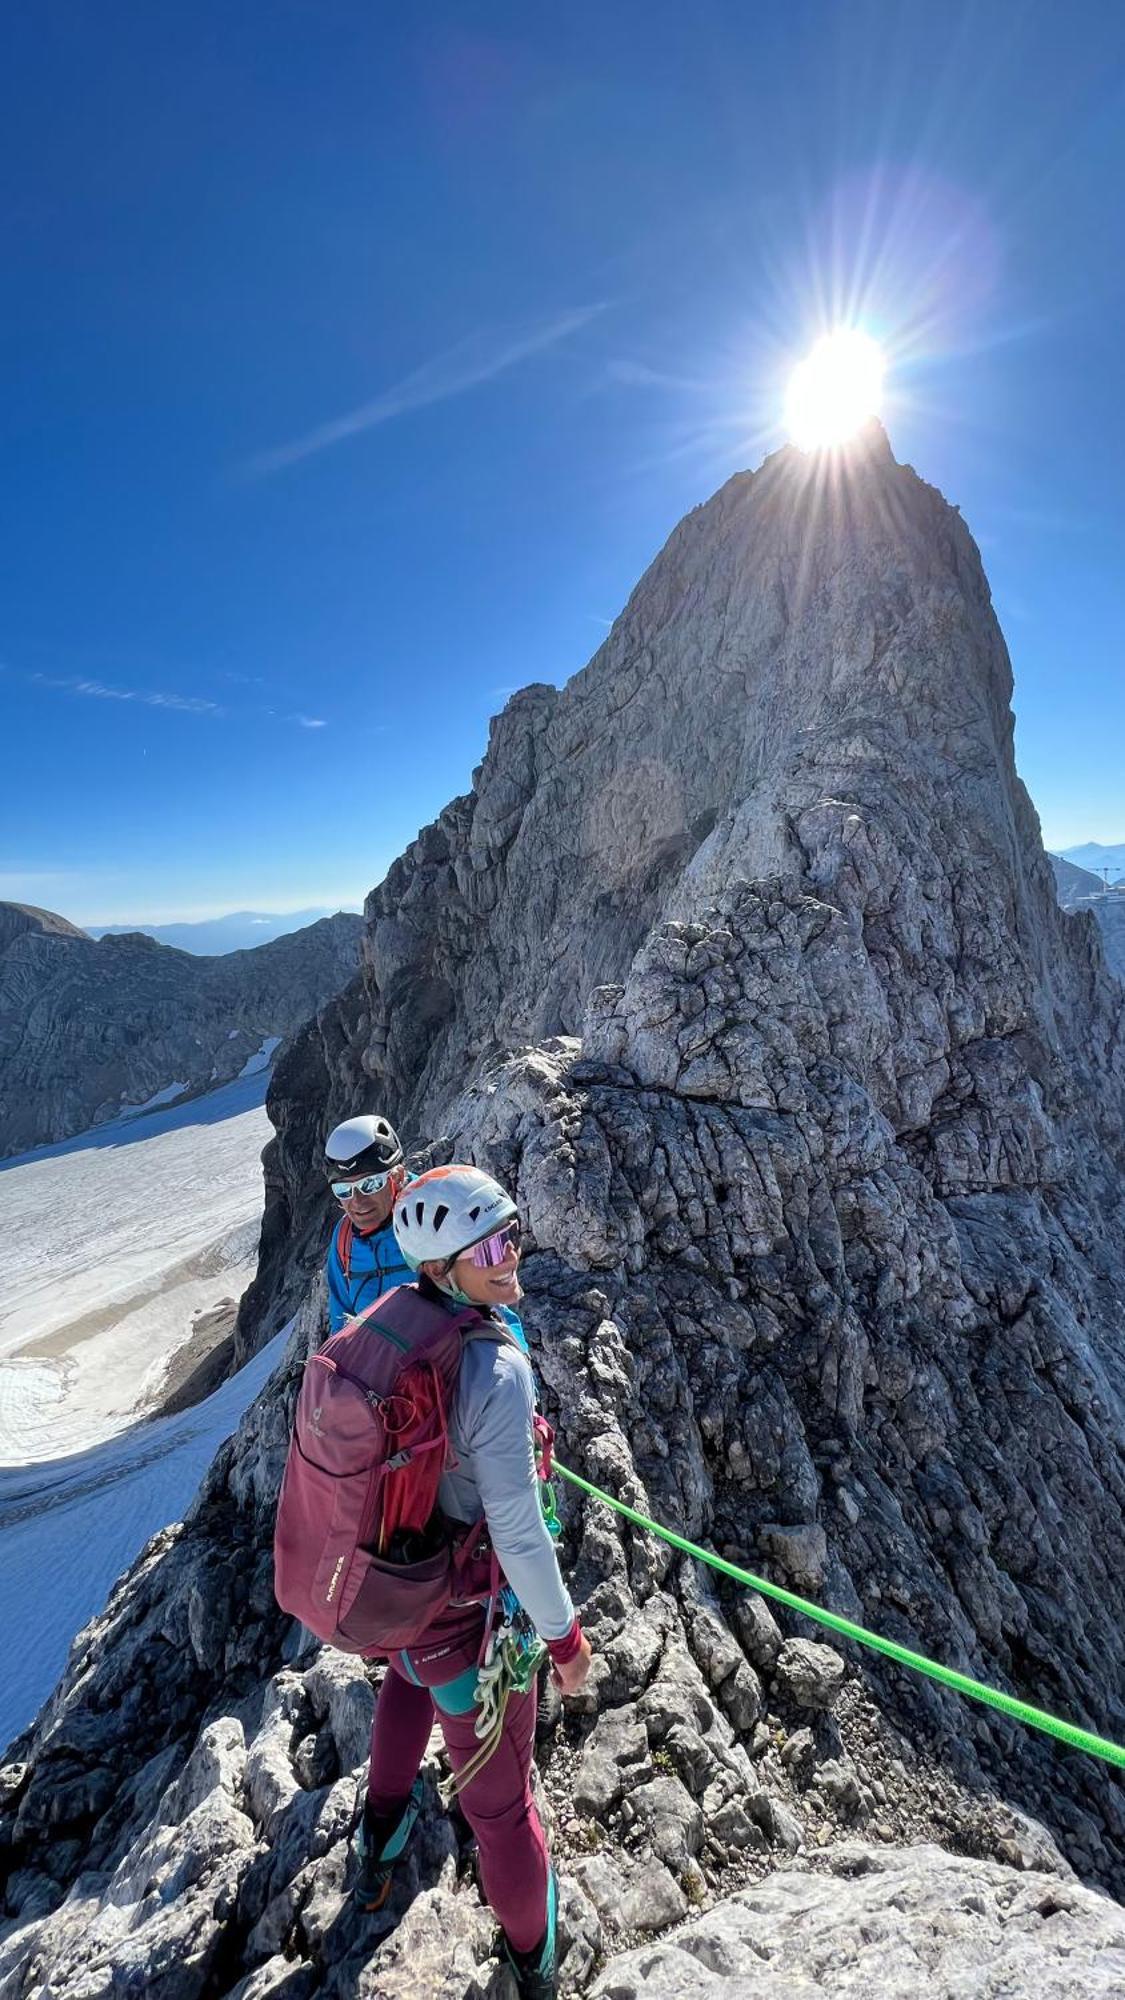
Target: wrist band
x=563, y=1650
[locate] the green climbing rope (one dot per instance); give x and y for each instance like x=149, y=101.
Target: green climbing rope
x=1019, y=1711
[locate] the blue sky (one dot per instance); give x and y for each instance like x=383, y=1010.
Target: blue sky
x=358, y=359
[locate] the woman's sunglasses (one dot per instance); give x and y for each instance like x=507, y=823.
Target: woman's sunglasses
x=371, y=1184
x=492, y=1250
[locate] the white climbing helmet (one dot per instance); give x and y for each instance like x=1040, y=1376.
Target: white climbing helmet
x=443, y=1212
x=368, y=1145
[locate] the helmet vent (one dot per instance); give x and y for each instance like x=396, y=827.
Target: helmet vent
x=474, y=1213
x=440, y=1213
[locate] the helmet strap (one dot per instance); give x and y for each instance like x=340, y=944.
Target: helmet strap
x=454, y=1292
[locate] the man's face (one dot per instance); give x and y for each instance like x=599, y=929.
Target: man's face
x=370, y=1211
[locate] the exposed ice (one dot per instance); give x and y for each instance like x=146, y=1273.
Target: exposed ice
x=109, y=1244
x=262, y=1058
x=153, y=1103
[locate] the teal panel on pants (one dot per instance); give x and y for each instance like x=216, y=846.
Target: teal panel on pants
x=457, y=1697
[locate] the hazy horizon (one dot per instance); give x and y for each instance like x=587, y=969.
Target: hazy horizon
x=252, y=908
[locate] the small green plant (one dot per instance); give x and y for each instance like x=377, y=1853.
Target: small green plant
x=661, y=1761
x=694, y=1887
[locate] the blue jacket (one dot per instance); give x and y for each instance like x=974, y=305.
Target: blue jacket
x=375, y=1266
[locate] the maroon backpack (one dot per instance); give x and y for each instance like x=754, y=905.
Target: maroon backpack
x=361, y=1555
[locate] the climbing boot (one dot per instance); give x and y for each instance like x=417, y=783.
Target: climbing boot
x=380, y=1842
x=537, y=1971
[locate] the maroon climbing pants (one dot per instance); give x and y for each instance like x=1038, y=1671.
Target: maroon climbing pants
x=497, y=1803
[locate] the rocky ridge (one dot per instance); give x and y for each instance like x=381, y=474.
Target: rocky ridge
x=195, y=1780
x=89, y=1027
x=1081, y=891
x=1072, y=883
x=813, y=1101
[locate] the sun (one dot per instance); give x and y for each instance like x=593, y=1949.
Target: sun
x=834, y=389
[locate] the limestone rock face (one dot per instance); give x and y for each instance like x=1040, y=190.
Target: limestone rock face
x=1109, y=915
x=742, y=966
x=743, y=962
x=87, y=1028
x=1072, y=882
x=808, y=690
x=1083, y=893
x=898, y=1926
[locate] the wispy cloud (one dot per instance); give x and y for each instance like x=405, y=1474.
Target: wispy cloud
x=188, y=704
x=480, y=357
x=183, y=704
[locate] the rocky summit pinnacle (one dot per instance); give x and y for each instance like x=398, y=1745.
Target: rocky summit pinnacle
x=742, y=965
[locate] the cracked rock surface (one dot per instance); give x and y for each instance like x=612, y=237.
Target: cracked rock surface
x=912, y=1925
x=742, y=966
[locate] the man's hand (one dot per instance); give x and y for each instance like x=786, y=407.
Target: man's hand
x=573, y=1676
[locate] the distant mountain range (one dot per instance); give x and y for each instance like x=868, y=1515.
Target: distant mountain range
x=241, y=930
x=1091, y=854
x=91, y=1028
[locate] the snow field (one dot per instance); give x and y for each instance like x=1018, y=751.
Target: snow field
x=68, y=1529
x=109, y=1244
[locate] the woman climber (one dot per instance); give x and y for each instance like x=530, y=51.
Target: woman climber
x=458, y=1229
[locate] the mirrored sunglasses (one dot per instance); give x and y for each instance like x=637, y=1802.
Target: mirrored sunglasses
x=492, y=1250
x=370, y=1184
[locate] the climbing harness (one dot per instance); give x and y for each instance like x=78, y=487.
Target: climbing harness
x=513, y=1652
x=1018, y=1711
x=513, y=1657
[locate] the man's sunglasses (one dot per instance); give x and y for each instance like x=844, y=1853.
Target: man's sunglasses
x=370, y=1184
x=492, y=1250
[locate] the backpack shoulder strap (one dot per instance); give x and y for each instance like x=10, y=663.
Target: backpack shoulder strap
x=491, y=1329
x=345, y=1235
x=404, y=1311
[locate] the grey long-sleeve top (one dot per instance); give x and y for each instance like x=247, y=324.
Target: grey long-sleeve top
x=490, y=1428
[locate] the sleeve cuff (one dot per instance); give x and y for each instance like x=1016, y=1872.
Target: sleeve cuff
x=563, y=1650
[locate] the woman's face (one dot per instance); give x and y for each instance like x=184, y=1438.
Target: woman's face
x=490, y=1285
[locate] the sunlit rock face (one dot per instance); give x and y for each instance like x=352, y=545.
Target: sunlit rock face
x=742, y=964
x=807, y=690
x=834, y=1104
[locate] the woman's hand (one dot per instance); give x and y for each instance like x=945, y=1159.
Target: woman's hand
x=574, y=1675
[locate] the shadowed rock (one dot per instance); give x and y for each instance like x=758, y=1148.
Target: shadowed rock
x=89, y=1029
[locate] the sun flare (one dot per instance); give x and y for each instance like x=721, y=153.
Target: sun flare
x=834, y=389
